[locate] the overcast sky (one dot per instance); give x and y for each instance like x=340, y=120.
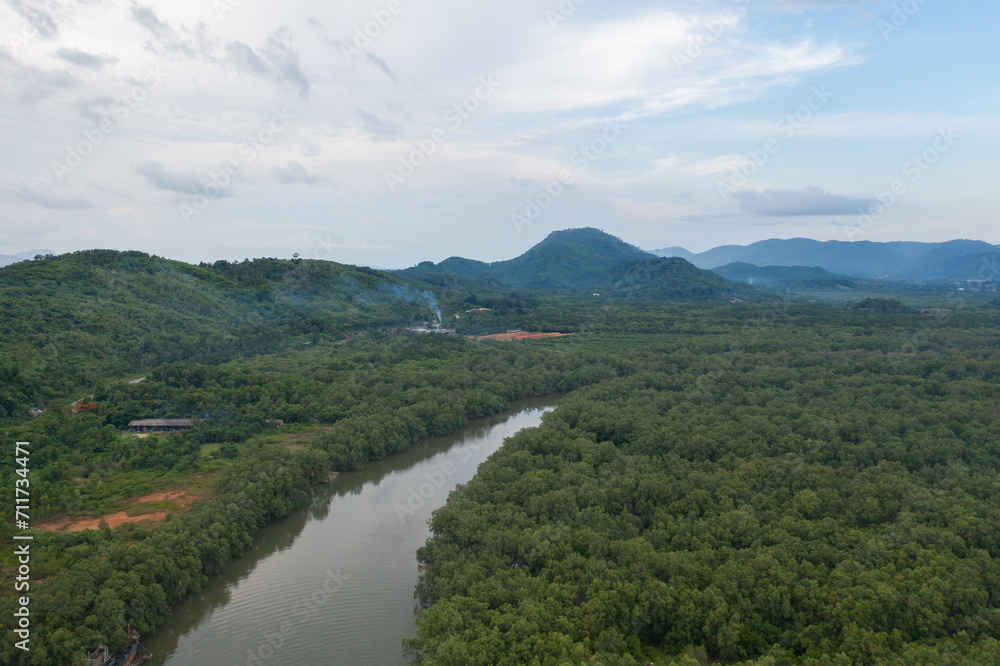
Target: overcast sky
x=386, y=132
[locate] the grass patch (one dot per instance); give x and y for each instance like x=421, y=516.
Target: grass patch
x=296, y=438
x=209, y=450
x=142, y=508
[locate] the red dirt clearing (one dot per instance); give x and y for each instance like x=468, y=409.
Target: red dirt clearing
x=522, y=336
x=179, y=497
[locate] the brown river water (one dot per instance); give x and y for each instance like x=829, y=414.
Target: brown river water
x=333, y=583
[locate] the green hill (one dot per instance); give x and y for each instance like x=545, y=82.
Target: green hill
x=587, y=260
x=568, y=259
x=71, y=319
x=784, y=277
x=466, y=268
x=742, y=272
x=671, y=279
x=574, y=258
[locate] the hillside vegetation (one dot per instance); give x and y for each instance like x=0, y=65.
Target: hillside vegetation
x=73, y=320
x=673, y=279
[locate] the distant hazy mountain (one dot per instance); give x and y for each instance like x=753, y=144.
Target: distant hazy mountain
x=675, y=252
x=565, y=259
x=8, y=259
x=901, y=260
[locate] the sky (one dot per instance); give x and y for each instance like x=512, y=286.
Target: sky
x=388, y=132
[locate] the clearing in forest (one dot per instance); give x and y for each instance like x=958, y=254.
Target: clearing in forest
x=522, y=336
x=148, y=508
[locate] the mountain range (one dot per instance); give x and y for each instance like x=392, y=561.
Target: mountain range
x=900, y=260
x=583, y=259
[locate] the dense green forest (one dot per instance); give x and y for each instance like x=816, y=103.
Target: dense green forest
x=738, y=476
x=817, y=487
x=72, y=321
x=380, y=396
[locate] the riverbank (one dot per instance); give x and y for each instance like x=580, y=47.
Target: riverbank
x=383, y=396
x=363, y=528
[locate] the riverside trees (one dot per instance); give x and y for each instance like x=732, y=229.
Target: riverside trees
x=796, y=500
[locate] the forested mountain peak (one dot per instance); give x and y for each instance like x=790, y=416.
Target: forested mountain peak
x=570, y=258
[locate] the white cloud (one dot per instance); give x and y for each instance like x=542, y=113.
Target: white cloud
x=42, y=192
x=807, y=201
x=164, y=178
x=881, y=125
x=643, y=66
x=652, y=211
x=276, y=59
x=294, y=172
x=720, y=164
x=84, y=59
x=799, y=6
x=675, y=165
x=225, y=74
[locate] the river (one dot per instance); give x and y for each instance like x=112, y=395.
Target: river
x=333, y=583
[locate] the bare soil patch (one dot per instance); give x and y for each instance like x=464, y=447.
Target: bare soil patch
x=148, y=508
x=522, y=336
